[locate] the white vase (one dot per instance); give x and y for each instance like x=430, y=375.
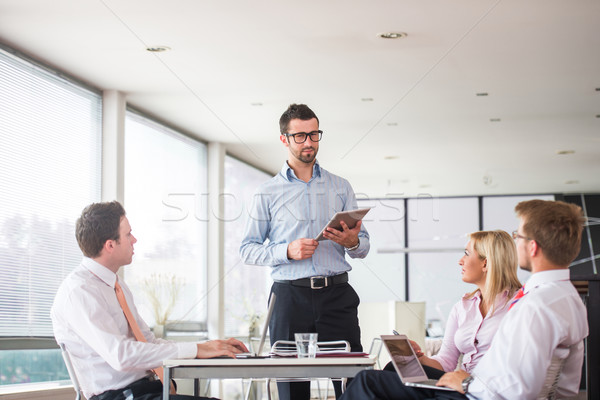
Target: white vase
x=159, y=331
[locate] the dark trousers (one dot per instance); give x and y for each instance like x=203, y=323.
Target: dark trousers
x=331, y=312
x=386, y=385
x=143, y=389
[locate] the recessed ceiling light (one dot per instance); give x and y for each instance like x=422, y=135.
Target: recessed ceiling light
x=158, y=49
x=366, y=99
x=495, y=120
x=565, y=152
x=572, y=182
x=481, y=94
x=392, y=35
x=391, y=157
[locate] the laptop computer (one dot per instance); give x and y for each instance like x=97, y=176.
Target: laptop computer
x=263, y=336
x=407, y=364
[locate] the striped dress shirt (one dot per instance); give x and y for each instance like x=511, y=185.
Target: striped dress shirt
x=286, y=208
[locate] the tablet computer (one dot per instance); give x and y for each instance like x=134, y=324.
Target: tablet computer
x=349, y=217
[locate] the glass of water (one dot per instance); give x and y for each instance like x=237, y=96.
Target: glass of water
x=306, y=344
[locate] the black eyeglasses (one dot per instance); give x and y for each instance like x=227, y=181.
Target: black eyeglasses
x=515, y=235
x=300, y=137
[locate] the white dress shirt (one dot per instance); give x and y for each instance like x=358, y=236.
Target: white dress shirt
x=87, y=318
x=551, y=314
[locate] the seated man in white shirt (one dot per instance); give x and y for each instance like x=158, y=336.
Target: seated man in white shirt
x=87, y=317
x=547, y=316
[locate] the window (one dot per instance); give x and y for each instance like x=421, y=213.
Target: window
x=246, y=286
x=165, y=200
x=50, y=169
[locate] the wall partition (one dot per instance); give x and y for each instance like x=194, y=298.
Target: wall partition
x=381, y=276
x=441, y=226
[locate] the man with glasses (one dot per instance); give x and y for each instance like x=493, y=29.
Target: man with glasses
x=547, y=319
x=310, y=277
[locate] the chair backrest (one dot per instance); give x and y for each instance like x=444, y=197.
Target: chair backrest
x=375, y=350
x=553, y=374
x=71, y=371
x=288, y=347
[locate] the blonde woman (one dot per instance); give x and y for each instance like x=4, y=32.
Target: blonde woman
x=490, y=263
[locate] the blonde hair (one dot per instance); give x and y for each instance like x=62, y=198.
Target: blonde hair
x=498, y=248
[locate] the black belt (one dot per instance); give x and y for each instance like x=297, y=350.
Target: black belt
x=135, y=389
x=317, y=282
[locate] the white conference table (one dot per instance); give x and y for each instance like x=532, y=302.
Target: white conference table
x=277, y=367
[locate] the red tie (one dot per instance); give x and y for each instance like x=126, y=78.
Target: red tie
x=520, y=294
x=137, y=332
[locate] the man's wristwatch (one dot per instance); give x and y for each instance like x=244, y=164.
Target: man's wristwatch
x=354, y=247
x=466, y=382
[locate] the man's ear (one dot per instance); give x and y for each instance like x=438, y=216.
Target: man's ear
x=534, y=248
x=284, y=140
x=109, y=246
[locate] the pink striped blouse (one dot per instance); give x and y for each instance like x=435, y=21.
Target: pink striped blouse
x=468, y=333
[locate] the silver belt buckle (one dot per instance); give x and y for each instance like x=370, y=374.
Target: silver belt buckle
x=313, y=285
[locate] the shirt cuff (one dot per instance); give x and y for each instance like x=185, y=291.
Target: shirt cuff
x=357, y=249
x=187, y=349
x=281, y=254
x=476, y=388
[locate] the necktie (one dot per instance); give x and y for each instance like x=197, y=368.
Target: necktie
x=137, y=332
x=520, y=294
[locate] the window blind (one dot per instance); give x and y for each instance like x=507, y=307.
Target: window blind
x=50, y=168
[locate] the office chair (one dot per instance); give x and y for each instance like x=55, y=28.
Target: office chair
x=288, y=347
x=71, y=371
x=553, y=374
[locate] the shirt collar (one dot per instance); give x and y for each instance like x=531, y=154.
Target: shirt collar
x=501, y=297
x=540, y=278
x=100, y=271
x=288, y=173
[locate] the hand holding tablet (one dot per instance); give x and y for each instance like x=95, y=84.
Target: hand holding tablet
x=349, y=217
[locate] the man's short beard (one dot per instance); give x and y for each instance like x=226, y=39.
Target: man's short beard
x=307, y=159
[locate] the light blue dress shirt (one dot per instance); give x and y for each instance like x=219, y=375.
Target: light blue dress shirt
x=285, y=209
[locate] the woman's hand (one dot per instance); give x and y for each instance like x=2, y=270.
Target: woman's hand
x=423, y=359
x=416, y=348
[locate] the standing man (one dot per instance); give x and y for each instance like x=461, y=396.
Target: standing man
x=91, y=317
x=547, y=318
x=310, y=277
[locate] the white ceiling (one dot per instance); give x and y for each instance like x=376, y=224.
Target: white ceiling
x=538, y=60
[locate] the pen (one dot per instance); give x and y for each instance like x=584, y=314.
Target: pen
x=395, y=332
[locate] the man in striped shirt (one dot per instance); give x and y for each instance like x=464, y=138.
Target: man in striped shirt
x=310, y=277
